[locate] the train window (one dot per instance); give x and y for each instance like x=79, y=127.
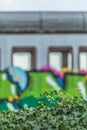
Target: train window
x=24, y=58
x=60, y=57
x=83, y=58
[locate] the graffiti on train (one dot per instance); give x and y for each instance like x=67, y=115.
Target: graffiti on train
x=16, y=84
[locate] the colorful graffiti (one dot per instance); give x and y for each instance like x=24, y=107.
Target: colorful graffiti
x=20, y=89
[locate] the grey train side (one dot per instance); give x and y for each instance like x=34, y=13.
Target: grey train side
x=41, y=31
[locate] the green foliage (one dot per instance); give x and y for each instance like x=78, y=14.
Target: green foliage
x=69, y=113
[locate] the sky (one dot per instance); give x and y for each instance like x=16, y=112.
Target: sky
x=43, y=5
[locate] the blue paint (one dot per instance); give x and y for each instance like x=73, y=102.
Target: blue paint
x=16, y=106
x=60, y=81
x=17, y=75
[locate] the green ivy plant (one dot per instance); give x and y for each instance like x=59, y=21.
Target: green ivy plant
x=67, y=113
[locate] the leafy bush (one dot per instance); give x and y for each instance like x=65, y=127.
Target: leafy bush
x=69, y=113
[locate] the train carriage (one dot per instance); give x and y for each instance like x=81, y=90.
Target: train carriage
x=31, y=40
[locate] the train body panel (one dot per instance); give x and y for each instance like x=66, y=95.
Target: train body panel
x=41, y=42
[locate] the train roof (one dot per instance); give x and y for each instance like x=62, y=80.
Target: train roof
x=39, y=22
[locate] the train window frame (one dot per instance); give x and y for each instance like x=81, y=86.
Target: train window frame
x=81, y=49
x=32, y=50
x=61, y=49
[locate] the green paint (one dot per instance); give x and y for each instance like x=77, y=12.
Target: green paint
x=71, y=84
x=5, y=87
x=31, y=101
x=38, y=84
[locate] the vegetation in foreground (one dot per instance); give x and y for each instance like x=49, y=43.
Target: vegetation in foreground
x=67, y=113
